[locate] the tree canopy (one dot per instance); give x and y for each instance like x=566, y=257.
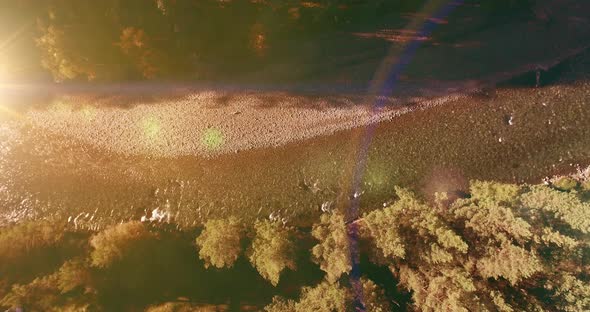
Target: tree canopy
x=114, y=40
x=332, y=252
x=501, y=247
x=113, y=243
x=488, y=252
x=272, y=250
x=220, y=243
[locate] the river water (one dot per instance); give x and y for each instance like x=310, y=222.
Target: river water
x=515, y=134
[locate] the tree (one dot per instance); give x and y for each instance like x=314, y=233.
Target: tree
x=373, y=297
x=326, y=296
x=332, y=297
x=564, y=206
x=77, y=41
x=75, y=274
x=279, y=304
x=571, y=294
x=20, y=240
x=492, y=251
x=332, y=252
x=409, y=222
x=220, y=243
x=510, y=262
x=494, y=191
x=136, y=44
x=39, y=295
x=272, y=251
x=418, y=245
x=112, y=244
x=43, y=295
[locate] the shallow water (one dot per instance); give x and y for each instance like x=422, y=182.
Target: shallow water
x=517, y=135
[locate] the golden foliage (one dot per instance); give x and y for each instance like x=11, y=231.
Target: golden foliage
x=220, y=242
x=510, y=262
x=565, y=206
x=488, y=252
x=272, y=251
x=19, y=240
x=493, y=191
x=111, y=244
x=332, y=252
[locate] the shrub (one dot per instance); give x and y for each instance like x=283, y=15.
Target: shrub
x=565, y=184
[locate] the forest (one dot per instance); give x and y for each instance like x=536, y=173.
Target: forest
x=501, y=247
x=116, y=40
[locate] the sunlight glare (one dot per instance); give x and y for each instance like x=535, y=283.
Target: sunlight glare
x=151, y=127
x=212, y=138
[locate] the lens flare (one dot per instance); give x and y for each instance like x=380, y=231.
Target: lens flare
x=384, y=82
x=7, y=111
x=151, y=127
x=61, y=107
x=88, y=112
x=212, y=138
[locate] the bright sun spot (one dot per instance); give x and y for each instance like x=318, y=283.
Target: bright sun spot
x=212, y=138
x=151, y=127
x=88, y=112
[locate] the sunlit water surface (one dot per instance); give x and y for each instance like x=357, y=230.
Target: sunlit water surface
x=515, y=135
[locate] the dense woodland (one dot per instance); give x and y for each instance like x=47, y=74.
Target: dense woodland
x=114, y=40
x=502, y=247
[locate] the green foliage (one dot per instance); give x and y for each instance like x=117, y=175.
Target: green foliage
x=332, y=297
x=111, y=244
x=510, y=262
x=39, y=295
x=325, y=296
x=18, y=241
x=387, y=237
x=446, y=289
x=552, y=237
x=220, y=243
x=572, y=294
x=68, y=50
x=492, y=221
x=500, y=302
x=373, y=297
x=504, y=248
x=279, y=304
x=332, y=252
x=565, y=206
x=565, y=184
x=409, y=222
x=494, y=191
x=74, y=274
x=43, y=295
x=490, y=252
x=272, y=251
x=138, y=46
x=55, y=59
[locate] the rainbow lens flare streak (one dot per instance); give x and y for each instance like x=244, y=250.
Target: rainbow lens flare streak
x=383, y=86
